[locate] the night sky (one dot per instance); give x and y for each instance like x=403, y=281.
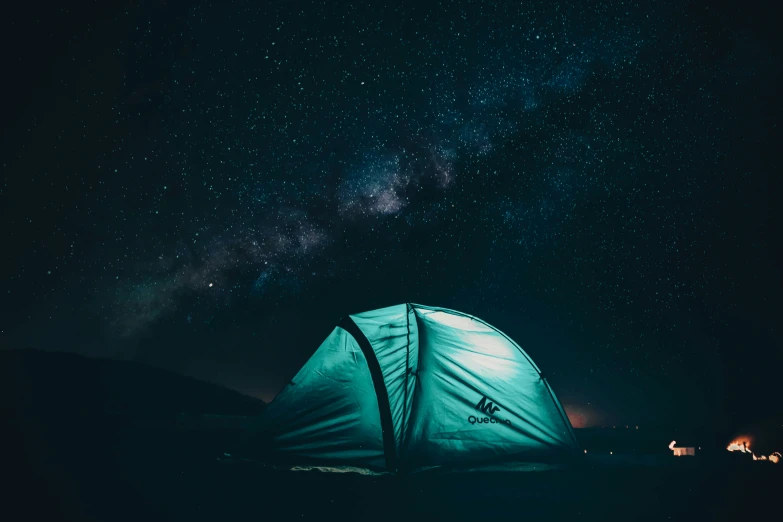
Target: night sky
x=209, y=187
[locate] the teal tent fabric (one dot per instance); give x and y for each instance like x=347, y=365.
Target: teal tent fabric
x=329, y=411
x=410, y=387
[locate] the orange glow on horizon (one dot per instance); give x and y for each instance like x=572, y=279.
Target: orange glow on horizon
x=577, y=416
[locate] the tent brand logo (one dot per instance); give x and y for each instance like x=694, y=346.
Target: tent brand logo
x=487, y=407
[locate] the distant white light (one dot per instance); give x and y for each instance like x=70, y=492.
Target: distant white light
x=210, y=285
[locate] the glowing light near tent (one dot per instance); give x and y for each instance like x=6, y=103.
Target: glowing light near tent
x=742, y=445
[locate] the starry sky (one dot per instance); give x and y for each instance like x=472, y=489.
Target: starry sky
x=209, y=187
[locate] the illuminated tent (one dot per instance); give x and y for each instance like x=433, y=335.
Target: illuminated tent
x=410, y=387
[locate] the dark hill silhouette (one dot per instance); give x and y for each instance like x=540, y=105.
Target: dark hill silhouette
x=34, y=382
x=68, y=419
x=80, y=433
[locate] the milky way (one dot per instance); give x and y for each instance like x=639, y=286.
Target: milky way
x=553, y=167
x=361, y=119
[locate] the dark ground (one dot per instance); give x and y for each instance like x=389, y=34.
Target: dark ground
x=158, y=486
x=158, y=455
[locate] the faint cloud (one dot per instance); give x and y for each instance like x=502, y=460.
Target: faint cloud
x=376, y=187
x=140, y=303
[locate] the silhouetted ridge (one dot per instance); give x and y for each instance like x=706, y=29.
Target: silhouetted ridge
x=64, y=383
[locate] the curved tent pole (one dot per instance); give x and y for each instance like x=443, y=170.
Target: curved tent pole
x=384, y=408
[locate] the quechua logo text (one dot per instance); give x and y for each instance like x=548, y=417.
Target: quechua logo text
x=488, y=408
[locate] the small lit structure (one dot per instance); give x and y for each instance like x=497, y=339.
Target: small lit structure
x=683, y=451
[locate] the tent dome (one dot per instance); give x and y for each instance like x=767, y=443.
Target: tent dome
x=409, y=387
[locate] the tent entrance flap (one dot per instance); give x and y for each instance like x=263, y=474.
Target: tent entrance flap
x=393, y=335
